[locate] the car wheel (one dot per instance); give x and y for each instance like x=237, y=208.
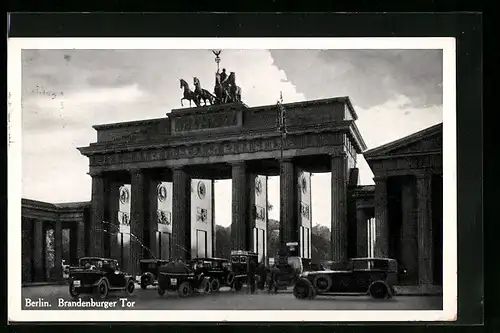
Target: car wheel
x=161, y=291
x=303, y=289
x=205, y=286
x=322, y=283
x=72, y=291
x=185, y=289
x=215, y=285
x=103, y=289
x=144, y=285
x=130, y=287
x=238, y=285
x=378, y=290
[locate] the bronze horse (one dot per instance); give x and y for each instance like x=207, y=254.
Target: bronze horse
x=234, y=90
x=202, y=94
x=189, y=94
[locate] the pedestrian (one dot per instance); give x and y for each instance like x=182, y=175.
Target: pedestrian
x=251, y=268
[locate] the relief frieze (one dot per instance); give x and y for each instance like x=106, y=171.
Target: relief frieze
x=215, y=149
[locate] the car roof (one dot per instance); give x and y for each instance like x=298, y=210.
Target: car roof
x=372, y=258
x=243, y=253
x=153, y=260
x=209, y=258
x=98, y=258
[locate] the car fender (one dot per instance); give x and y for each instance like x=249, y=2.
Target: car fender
x=99, y=281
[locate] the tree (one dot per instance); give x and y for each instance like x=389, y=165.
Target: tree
x=269, y=206
x=222, y=241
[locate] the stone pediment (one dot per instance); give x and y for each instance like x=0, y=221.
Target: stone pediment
x=429, y=140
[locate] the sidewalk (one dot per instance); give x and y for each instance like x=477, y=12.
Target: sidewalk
x=405, y=290
x=40, y=284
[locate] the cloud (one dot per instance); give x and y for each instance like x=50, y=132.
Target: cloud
x=369, y=77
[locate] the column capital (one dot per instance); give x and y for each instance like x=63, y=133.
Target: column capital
x=95, y=174
x=136, y=171
x=177, y=167
x=237, y=163
x=380, y=179
x=338, y=154
x=423, y=174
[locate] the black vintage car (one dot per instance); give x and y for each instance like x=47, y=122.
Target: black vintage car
x=217, y=270
x=366, y=276
x=181, y=277
x=149, y=271
x=98, y=276
x=240, y=262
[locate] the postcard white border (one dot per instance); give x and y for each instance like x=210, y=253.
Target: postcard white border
x=16, y=314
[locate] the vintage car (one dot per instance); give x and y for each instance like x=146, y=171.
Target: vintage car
x=149, y=271
x=98, y=276
x=284, y=272
x=217, y=270
x=181, y=277
x=240, y=261
x=375, y=277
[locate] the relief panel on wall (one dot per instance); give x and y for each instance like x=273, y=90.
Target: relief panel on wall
x=305, y=213
x=202, y=218
x=123, y=235
x=164, y=218
x=259, y=203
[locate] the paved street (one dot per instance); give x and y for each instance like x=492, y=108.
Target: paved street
x=230, y=300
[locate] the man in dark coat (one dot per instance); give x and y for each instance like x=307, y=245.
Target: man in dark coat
x=223, y=76
x=251, y=270
x=262, y=273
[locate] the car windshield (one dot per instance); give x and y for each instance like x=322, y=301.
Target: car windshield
x=295, y=262
x=91, y=262
x=373, y=264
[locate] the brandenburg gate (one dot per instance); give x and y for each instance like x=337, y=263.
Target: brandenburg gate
x=224, y=141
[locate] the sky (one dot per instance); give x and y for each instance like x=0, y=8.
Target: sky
x=64, y=92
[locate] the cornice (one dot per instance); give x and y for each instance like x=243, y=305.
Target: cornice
x=228, y=137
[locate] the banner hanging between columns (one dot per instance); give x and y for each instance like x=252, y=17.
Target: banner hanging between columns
x=259, y=217
x=304, y=201
x=202, y=218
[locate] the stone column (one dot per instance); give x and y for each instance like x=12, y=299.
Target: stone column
x=152, y=219
x=97, y=215
x=27, y=249
x=181, y=214
x=289, y=229
x=339, y=209
x=214, y=227
x=80, y=240
x=408, y=252
x=381, y=218
x=362, y=233
x=240, y=209
x=138, y=197
x=425, y=244
x=57, y=251
x=38, y=246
